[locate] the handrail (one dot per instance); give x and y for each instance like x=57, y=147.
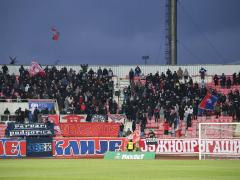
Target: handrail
x=25, y=100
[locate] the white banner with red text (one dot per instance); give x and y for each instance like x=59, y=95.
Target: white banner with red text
x=191, y=146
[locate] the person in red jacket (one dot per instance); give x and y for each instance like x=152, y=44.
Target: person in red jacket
x=83, y=108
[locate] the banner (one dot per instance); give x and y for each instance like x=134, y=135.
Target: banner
x=41, y=104
x=39, y=147
x=37, y=129
x=12, y=148
x=116, y=118
x=89, y=129
x=171, y=146
x=191, y=146
x=2, y=130
x=98, y=118
x=53, y=118
x=73, y=118
x=129, y=155
x=86, y=147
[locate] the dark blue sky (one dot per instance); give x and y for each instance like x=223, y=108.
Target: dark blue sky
x=117, y=31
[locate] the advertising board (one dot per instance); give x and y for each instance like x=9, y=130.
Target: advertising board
x=129, y=155
x=12, y=148
x=39, y=147
x=86, y=147
x=191, y=146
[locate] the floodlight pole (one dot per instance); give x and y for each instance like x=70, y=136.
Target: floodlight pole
x=145, y=58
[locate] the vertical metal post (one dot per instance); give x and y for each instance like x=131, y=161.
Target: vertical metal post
x=173, y=21
x=145, y=58
x=171, y=45
x=199, y=141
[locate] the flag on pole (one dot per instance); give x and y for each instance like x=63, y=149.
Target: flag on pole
x=208, y=102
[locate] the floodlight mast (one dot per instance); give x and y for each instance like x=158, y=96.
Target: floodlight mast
x=171, y=32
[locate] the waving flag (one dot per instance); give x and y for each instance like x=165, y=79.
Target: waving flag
x=35, y=68
x=208, y=102
x=55, y=35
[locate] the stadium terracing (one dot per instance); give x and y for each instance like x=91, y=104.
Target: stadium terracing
x=119, y=102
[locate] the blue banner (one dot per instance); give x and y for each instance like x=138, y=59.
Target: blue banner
x=39, y=147
x=40, y=104
x=86, y=147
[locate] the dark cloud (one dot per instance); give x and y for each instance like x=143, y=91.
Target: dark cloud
x=117, y=31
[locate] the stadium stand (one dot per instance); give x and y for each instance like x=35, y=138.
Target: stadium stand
x=146, y=100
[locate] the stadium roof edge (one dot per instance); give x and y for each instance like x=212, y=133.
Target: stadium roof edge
x=100, y=65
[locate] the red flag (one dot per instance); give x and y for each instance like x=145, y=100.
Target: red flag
x=56, y=34
x=35, y=68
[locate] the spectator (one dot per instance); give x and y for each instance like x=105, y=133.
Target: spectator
x=218, y=110
x=131, y=76
x=6, y=115
x=229, y=83
x=110, y=73
x=215, y=79
x=180, y=73
x=166, y=127
x=45, y=111
x=202, y=72
x=151, y=134
x=121, y=129
x=133, y=125
x=84, y=68
x=26, y=114
x=6, y=112
x=223, y=80
x=130, y=145
x=20, y=115
x=138, y=71
x=156, y=112
x=128, y=132
x=99, y=72
x=35, y=115
x=234, y=76
x=4, y=69
x=185, y=75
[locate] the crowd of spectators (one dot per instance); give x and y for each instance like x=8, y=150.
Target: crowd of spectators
x=176, y=96
x=227, y=81
x=83, y=92
x=25, y=115
x=173, y=94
